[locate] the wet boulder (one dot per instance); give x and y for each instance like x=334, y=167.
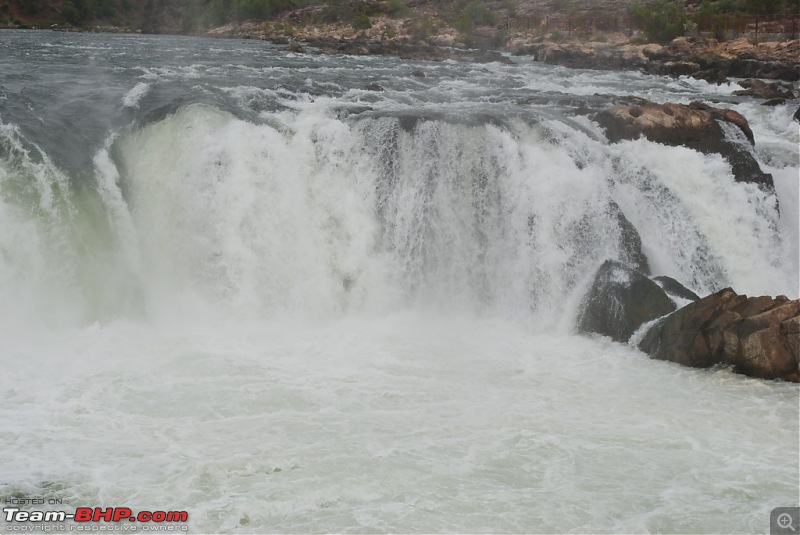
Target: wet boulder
x=619, y=301
x=696, y=126
x=630, y=243
x=766, y=90
x=756, y=336
x=675, y=288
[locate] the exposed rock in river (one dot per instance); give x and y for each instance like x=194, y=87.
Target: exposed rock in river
x=621, y=300
x=707, y=59
x=630, y=243
x=758, y=336
x=404, y=49
x=762, y=89
x=675, y=288
x=696, y=126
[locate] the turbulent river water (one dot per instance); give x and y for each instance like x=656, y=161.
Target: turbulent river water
x=247, y=284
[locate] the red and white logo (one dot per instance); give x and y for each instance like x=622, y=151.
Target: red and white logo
x=153, y=520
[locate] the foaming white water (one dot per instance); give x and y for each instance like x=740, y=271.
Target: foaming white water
x=35, y=215
x=312, y=214
x=733, y=237
x=787, y=186
x=403, y=423
x=319, y=216
x=246, y=217
x=131, y=100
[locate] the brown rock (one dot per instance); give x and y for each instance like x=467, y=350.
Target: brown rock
x=695, y=126
x=701, y=58
x=757, y=336
x=726, y=115
x=761, y=89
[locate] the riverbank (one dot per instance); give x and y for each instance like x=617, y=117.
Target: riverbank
x=703, y=58
x=422, y=39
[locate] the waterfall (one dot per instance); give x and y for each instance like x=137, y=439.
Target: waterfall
x=322, y=215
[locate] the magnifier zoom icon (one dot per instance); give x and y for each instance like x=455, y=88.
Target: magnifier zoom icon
x=785, y=521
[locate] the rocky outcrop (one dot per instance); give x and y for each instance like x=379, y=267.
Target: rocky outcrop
x=757, y=336
x=619, y=301
x=739, y=58
x=769, y=91
x=404, y=50
x=592, y=55
x=696, y=126
x=707, y=59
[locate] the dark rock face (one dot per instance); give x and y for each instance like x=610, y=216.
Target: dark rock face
x=696, y=126
x=675, y=288
x=296, y=48
x=758, y=336
x=619, y=301
x=772, y=70
x=630, y=242
x=796, y=115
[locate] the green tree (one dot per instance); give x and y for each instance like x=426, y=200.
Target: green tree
x=398, y=9
x=252, y=9
x=475, y=14
x=31, y=8
x=660, y=20
x=71, y=13
x=218, y=12
x=362, y=22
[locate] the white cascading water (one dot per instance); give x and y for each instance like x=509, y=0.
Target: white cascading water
x=332, y=216
x=332, y=319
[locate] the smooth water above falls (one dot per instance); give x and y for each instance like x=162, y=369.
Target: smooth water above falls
x=235, y=281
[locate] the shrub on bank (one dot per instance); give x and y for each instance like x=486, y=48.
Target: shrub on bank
x=660, y=20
